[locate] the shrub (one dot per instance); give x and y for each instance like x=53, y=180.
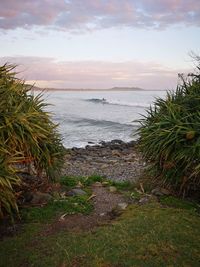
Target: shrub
x=170, y=135
x=27, y=135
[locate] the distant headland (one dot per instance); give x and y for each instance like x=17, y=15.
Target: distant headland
x=36, y=88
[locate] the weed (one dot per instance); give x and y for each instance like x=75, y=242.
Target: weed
x=69, y=205
x=174, y=202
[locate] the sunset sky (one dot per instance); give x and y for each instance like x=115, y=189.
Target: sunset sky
x=99, y=43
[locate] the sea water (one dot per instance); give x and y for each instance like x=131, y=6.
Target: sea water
x=96, y=116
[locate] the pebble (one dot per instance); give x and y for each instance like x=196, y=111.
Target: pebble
x=112, y=189
x=144, y=200
x=122, y=205
x=97, y=184
x=115, y=160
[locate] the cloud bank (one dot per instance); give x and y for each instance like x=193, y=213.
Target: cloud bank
x=96, y=14
x=47, y=72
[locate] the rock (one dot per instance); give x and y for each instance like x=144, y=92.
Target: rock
x=76, y=192
x=132, y=143
x=115, y=152
x=144, y=200
x=105, y=183
x=104, y=166
x=40, y=198
x=115, y=147
x=160, y=192
x=97, y=184
x=79, y=185
x=117, y=141
x=28, y=196
x=90, y=142
x=122, y=205
x=130, y=158
x=68, y=156
x=165, y=191
x=112, y=189
x=115, y=212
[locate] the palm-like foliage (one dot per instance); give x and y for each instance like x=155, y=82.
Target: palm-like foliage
x=170, y=136
x=26, y=135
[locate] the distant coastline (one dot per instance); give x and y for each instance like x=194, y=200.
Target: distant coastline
x=35, y=88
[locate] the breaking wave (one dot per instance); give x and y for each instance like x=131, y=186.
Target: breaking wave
x=104, y=101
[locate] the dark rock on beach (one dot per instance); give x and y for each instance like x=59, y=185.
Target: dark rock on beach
x=115, y=160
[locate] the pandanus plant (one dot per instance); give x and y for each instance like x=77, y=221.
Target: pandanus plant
x=27, y=135
x=170, y=136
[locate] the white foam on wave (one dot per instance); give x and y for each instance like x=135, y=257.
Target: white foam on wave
x=118, y=102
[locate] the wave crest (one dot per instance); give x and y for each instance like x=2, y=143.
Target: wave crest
x=117, y=102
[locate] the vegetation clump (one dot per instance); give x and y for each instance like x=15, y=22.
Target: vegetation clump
x=27, y=136
x=170, y=136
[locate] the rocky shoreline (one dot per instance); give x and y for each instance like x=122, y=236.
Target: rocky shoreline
x=114, y=160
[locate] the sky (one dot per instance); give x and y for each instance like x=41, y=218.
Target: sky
x=100, y=44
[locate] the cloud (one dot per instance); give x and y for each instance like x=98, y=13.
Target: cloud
x=47, y=72
x=97, y=14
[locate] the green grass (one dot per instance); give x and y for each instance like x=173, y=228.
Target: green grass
x=146, y=235
x=122, y=185
x=71, y=181
x=69, y=205
x=171, y=201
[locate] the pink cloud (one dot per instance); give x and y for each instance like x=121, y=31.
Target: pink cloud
x=73, y=14
x=47, y=72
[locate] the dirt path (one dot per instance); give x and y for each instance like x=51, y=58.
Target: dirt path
x=104, y=203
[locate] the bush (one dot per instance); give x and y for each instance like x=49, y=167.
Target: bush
x=170, y=135
x=27, y=135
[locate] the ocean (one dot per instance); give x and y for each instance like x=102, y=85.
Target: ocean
x=91, y=117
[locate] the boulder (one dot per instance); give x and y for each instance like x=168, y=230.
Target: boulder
x=76, y=192
x=160, y=192
x=40, y=198
x=117, y=141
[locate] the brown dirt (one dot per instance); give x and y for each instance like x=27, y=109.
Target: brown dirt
x=104, y=202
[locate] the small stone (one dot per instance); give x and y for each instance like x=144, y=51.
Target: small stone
x=40, y=198
x=104, y=166
x=28, y=196
x=102, y=214
x=76, y=192
x=79, y=185
x=165, y=191
x=97, y=184
x=117, y=141
x=144, y=200
x=70, y=194
x=160, y=192
x=116, y=153
x=112, y=189
x=105, y=183
x=122, y=205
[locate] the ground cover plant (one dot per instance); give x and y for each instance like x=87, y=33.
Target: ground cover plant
x=145, y=235
x=159, y=233
x=27, y=136
x=170, y=136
